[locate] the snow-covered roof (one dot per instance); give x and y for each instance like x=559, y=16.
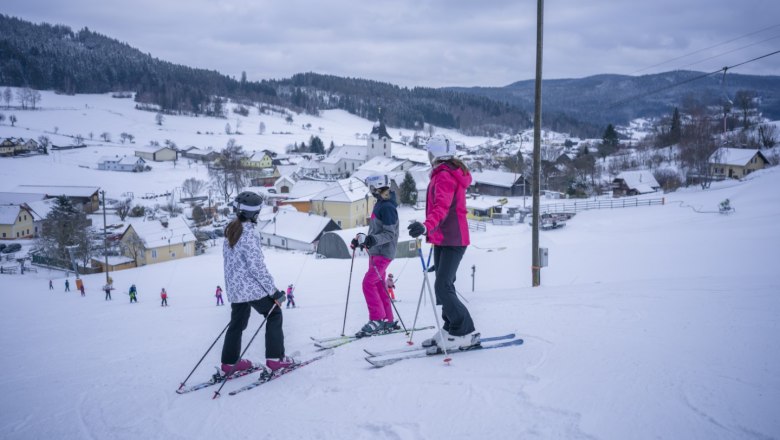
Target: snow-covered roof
x=482, y=203
x=8, y=214
x=59, y=190
x=344, y=190
x=286, y=170
x=155, y=235
x=306, y=189
x=17, y=198
x=495, y=178
x=732, y=156
x=642, y=181
x=296, y=225
x=41, y=208
x=350, y=152
x=382, y=164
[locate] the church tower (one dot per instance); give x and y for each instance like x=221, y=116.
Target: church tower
x=379, y=141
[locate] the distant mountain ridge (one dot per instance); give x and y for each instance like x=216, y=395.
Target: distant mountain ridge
x=603, y=99
x=54, y=57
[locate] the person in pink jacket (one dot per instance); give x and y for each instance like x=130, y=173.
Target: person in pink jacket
x=446, y=228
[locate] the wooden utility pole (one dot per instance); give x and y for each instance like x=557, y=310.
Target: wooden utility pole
x=105, y=234
x=536, y=270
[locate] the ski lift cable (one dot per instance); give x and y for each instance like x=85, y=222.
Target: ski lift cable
x=696, y=78
x=706, y=48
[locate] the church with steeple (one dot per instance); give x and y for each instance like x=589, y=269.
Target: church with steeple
x=379, y=140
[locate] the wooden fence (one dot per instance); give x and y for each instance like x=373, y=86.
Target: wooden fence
x=599, y=204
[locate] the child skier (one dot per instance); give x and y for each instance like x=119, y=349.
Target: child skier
x=133, y=294
x=290, y=296
x=250, y=286
x=391, y=286
x=163, y=298
x=381, y=243
x=219, y=297
x=108, y=288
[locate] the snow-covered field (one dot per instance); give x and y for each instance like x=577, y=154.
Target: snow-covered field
x=651, y=322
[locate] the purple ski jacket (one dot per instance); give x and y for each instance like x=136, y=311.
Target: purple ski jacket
x=445, y=207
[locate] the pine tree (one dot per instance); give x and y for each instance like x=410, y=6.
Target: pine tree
x=408, y=190
x=64, y=226
x=675, y=132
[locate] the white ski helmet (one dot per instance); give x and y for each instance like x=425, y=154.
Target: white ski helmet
x=440, y=147
x=376, y=182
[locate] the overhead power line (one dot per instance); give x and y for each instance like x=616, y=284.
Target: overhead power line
x=695, y=78
x=706, y=48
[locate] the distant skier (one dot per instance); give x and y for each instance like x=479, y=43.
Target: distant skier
x=82, y=290
x=290, y=296
x=381, y=244
x=133, y=294
x=390, y=286
x=51, y=285
x=249, y=285
x=67, y=286
x=108, y=288
x=163, y=298
x=219, y=297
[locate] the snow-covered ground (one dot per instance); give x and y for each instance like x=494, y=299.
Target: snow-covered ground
x=651, y=322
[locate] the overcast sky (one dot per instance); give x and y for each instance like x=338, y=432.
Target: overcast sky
x=432, y=42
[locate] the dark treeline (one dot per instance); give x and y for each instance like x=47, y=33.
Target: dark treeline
x=54, y=57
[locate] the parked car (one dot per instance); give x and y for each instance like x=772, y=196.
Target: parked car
x=13, y=247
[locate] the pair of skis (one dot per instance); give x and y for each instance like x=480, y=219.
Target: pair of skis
x=384, y=358
x=337, y=341
x=266, y=376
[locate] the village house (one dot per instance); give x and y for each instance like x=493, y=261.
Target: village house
x=499, y=183
x=290, y=229
x=632, y=183
x=124, y=163
x=346, y=201
x=257, y=160
x=297, y=193
x=85, y=198
x=153, y=241
x=18, y=146
x=735, y=163
x=196, y=153
x=164, y=154
x=16, y=221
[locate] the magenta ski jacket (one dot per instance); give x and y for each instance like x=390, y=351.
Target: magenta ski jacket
x=445, y=207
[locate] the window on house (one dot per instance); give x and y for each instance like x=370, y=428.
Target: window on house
x=173, y=254
x=154, y=253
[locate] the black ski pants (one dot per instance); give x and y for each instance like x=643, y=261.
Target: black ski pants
x=457, y=320
x=239, y=318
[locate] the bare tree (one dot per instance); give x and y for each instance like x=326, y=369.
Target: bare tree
x=2, y=118
x=44, y=142
x=193, y=186
x=123, y=208
x=34, y=97
x=133, y=247
x=78, y=139
x=7, y=96
x=745, y=100
x=696, y=147
x=261, y=128
x=23, y=96
x=12, y=119
x=106, y=136
x=159, y=118
x=767, y=135
x=228, y=173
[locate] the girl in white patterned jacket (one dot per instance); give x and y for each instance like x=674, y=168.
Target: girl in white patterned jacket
x=249, y=285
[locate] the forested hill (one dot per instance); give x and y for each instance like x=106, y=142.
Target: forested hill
x=602, y=99
x=54, y=57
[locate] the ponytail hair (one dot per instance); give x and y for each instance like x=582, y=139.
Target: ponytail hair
x=233, y=232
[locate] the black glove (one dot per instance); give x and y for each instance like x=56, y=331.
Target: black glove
x=416, y=229
x=370, y=241
x=354, y=243
x=280, y=297
x=432, y=268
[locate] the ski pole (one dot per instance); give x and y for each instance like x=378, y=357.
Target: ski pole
x=447, y=358
x=461, y=296
x=384, y=286
x=419, y=300
x=349, y=286
x=204, y=356
x=233, y=368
